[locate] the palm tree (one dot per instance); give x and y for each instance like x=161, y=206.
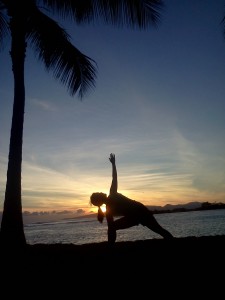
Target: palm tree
x=27, y=23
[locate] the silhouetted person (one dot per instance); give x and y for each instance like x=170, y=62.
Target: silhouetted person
x=132, y=212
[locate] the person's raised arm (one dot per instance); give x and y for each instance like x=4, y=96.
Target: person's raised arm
x=114, y=185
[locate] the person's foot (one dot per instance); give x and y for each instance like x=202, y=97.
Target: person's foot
x=168, y=236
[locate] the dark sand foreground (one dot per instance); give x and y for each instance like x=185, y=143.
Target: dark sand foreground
x=153, y=251
x=189, y=261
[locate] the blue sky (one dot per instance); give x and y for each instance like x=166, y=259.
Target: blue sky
x=158, y=104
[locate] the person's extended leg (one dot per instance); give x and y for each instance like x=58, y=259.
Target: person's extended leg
x=152, y=224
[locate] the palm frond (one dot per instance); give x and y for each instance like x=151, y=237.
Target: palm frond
x=4, y=28
x=223, y=24
x=132, y=13
x=69, y=65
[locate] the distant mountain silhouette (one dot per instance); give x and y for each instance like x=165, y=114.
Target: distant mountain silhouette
x=188, y=206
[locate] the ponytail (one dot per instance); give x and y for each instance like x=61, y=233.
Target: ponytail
x=100, y=215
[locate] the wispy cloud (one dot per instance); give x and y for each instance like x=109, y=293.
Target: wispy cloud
x=44, y=105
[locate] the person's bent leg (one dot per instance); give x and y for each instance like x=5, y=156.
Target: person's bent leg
x=124, y=223
x=118, y=224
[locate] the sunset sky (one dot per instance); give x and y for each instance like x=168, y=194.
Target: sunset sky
x=159, y=105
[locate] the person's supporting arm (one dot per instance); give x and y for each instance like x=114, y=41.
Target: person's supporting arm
x=114, y=185
x=111, y=229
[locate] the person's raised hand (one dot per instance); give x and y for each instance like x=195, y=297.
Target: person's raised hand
x=112, y=158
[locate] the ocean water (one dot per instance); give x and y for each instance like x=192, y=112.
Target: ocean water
x=89, y=230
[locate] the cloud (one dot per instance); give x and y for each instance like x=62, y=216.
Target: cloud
x=44, y=105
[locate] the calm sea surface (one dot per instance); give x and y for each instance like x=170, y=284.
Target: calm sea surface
x=89, y=230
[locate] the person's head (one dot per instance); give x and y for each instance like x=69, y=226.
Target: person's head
x=98, y=199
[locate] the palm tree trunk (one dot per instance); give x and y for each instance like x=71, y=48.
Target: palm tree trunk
x=12, y=229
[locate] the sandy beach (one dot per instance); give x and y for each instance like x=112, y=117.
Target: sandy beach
x=210, y=249
x=195, y=265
